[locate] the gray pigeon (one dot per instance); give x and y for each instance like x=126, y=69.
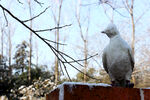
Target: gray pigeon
x=117, y=58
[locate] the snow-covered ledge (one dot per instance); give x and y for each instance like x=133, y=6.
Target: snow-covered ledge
x=92, y=91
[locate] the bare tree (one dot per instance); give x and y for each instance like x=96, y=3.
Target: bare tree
x=37, y=52
x=30, y=43
x=84, y=39
x=57, y=21
x=2, y=40
x=129, y=8
x=61, y=56
x=10, y=33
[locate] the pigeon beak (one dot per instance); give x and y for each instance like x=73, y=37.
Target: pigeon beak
x=103, y=32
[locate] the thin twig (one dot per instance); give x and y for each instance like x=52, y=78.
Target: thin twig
x=106, y=13
x=90, y=4
x=82, y=59
x=70, y=58
x=105, y=2
x=61, y=67
x=39, y=3
x=54, y=42
x=53, y=28
x=19, y=2
x=116, y=10
x=60, y=53
x=141, y=15
x=5, y=18
x=55, y=51
x=51, y=47
x=78, y=69
x=125, y=6
x=36, y=15
x=67, y=71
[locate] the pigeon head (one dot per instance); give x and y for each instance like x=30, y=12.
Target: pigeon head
x=111, y=30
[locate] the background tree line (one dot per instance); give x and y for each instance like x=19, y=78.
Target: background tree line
x=63, y=40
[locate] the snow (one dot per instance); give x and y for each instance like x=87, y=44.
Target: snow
x=72, y=84
x=70, y=87
x=142, y=94
x=61, y=92
x=89, y=84
x=147, y=88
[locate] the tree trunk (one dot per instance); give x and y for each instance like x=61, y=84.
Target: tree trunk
x=10, y=47
x=2, y=41
x=57, y=75
x=133, y=31
x=85, y=62
x=30, y=45
x=37, y=53
x=85, y=41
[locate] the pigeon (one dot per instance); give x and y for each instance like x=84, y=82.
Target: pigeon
x=117, y=58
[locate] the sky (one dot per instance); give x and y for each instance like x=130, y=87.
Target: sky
x=99, y=14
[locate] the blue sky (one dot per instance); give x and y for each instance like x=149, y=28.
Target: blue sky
x=98, y=21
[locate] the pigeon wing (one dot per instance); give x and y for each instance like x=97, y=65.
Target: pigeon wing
x=104, y=59
x=131, y=58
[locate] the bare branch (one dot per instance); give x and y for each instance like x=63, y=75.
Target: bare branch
x=84, y=73
x=57, y=53
x=66, y=71
x=125, y=6
x=36, y=15
x=81, y=33
x=61, y=68
x=75, y=67
x=100, y=2
x=105, y=2
x=90, y=4
x=19, y=2
x=70, y=58
x=106, y=13
x=54, y=17
x=82, y=59
x=5, y=18
x=40, y=3
x=54, y=42
x=141, y=15
x=79, y=25
x=115, y=10
x=53, y=28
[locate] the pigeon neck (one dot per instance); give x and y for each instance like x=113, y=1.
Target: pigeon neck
x=113, y=36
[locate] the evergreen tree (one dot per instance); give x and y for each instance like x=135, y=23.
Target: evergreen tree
x=5, y=79
x=91, y=72
x=21, y=56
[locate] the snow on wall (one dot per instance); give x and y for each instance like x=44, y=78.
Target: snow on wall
x=89, y=84
x=72, y=84
x=142, y=94
x=147, y=88
x=61, y=92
